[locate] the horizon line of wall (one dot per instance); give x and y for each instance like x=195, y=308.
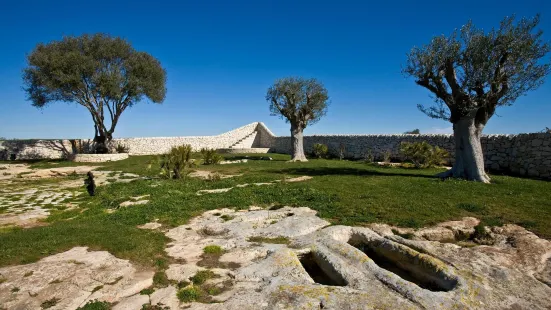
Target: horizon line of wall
x=522, y=154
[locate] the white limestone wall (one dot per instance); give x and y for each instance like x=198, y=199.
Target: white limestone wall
x=523, y=154
x=98, y=158
x=161, y=145
x=53, y=149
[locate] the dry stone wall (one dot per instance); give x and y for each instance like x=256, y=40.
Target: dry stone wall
x=98, y=158
x=523, y=154
x=53, y=149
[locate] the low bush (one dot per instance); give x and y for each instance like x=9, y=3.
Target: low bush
x=320, y=150
x=96, y=305
x=121, y=148
x=342, y=151
x=368, y=157
x=177, y=163
x=189, y=294
x=424, y=155
x=210, y=157
x=386, y=156
x=213, y=249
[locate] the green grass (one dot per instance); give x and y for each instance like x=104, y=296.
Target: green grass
x=343, y=192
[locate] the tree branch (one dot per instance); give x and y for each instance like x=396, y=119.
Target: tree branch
x=451, y=78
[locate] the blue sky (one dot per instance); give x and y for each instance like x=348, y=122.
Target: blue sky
x=221, y=56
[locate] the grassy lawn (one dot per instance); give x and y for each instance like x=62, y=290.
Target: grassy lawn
x=345, y=192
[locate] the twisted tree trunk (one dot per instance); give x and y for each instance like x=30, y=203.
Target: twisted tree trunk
x=469, y=159
x=100, y=141
x=297, y=143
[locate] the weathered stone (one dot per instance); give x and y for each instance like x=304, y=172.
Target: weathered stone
x=73, y=278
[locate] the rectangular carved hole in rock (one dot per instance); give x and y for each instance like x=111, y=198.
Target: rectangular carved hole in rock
x=317, y=273
x=411, y=268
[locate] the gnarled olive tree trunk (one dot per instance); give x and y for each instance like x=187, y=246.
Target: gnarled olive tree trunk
x=469, y=159
x=297, y=143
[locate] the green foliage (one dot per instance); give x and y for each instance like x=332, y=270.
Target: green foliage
x=399, y=197
x=49, y=303
x=213, y=249
x=298, y=100
x=210, y=157
x=189, y=294
x=202, y=276
x=96, y=305
x=424, y=155
x=387, y=156
x=320, y=150
x=160, y=279
x=369, y=157
x=177, y=163
x=413, y=132
x=471, y=70
x=100, y=72
x=147, y=291
x=121, y=148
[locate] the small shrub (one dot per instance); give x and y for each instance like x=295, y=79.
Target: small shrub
x=177, y=163
x=121, y=148
x=96, y=305
x=49, y=303
x=210, y=157
x=189, y=294
x=424, y=155
x=320, y=150
x=386, y=156
x=202, y=276
x=368, y=157
x=147, y=291
x=160, y=279
x=213, y=249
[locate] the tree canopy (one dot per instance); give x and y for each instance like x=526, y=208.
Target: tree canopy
x=471, y=70
x=102, y=73
x=298, y=100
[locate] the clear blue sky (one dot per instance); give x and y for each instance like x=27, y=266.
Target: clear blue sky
x=221, y=56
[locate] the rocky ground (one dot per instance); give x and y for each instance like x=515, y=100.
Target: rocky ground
x=288, y=258
x=28, y=196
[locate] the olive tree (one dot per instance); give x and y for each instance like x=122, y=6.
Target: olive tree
x=471, y=73
x=300, y=102
x=104, y=74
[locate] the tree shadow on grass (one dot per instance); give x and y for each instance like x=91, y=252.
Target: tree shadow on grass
x=321, y=171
